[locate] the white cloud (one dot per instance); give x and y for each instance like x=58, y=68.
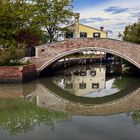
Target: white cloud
x=116, y=21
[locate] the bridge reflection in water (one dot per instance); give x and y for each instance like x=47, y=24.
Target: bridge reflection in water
x=126, y=104
x=88, y=92
x=81, y=91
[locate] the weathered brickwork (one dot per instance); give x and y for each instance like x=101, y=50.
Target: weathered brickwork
x=16, y=74
x=49, y=53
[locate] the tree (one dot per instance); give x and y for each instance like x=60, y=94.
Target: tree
x=31, y=38
x=15, y=16
x=27, y=23
x=132, y=33
x=52, y=14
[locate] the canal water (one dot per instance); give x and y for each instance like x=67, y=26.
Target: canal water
x=88, y=102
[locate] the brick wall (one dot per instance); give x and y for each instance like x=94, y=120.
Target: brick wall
x=16, y=74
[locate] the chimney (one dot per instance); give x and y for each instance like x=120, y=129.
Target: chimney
x=102, y=28
x=77, y=16
x=76, y=25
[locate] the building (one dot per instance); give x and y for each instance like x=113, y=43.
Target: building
x=78, y=30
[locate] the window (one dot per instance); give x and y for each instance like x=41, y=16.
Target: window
x=82, y=85
x=96, y=34
x=83, y=34
x=83, y=73
x=93, y=72
x=95, y=85
x=69, y=35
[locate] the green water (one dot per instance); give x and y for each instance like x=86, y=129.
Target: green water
x=75, y=103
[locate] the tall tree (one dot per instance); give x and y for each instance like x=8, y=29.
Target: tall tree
x=132, y=33
x=52, y=14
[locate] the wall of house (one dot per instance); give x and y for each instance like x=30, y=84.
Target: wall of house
x=90, y=31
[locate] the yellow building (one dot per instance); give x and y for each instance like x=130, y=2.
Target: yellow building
x=78, y=30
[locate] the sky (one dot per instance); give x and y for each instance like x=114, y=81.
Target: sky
x=114, y=15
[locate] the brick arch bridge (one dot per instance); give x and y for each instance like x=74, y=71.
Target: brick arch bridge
x=50, y=53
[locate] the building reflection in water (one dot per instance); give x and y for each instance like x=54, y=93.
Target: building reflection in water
x=86, y=81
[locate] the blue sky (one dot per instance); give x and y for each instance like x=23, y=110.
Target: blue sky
x=78, y=4
x=114, y=15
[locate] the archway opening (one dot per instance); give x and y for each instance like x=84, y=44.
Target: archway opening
x=86, y=57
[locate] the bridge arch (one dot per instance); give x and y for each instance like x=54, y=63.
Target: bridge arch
x=60, y=56
x=48, y=54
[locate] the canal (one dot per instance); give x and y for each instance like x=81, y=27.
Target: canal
x=92, y=101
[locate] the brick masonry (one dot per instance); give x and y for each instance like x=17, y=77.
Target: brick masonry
x=50, y=53
x=17, y=74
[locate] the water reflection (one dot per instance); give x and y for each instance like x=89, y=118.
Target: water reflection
x=19, y=116
x=17, y=90
x=90, y=84
x=87, y=81
x=82, y=81
x=88, y=102
x=135, y=115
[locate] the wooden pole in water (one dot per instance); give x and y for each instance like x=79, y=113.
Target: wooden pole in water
x=85, y=59
x=68, y=60
x=100, y=57
x=64, y=62
x=91, y=57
